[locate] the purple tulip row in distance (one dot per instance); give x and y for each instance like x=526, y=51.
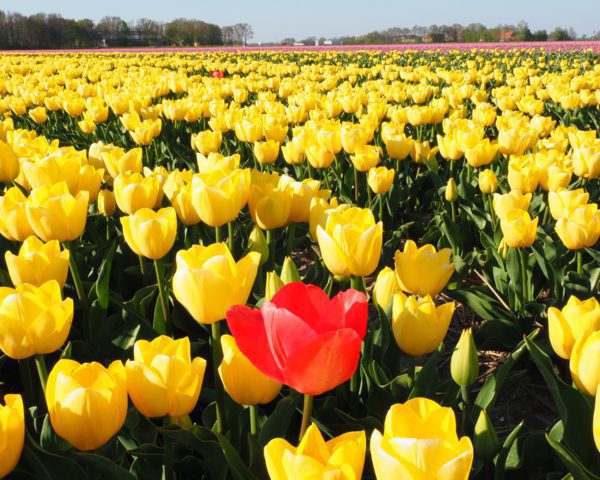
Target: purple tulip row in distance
x=547, y=46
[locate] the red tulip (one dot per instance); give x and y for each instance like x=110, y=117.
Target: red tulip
x=217, y=74
x=302, y=338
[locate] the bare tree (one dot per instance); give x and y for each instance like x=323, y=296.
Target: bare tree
x=242, y=32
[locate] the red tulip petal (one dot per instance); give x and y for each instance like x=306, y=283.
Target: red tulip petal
x=356, y=310
x=323, y=362
x=304, y=301
x=248, y=328
x=285, y=331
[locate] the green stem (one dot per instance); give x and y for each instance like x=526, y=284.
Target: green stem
x=381, y=207
x=217, y=355
x=218, y=235
x=40, y=363
x=76, y=277
x=579, y=256
x=230, y=237
x=164, y=302
x=271, y=245
x=290, y=240
x=253, y=420
x=369, y=194
x=356, y=284
x=142, y=268
x=169, y=473
x=466, y=421
x=524, y=283
x=453, y=212
x=490, y=203
x=306, y=415
x=355, y=185
x=26, y=381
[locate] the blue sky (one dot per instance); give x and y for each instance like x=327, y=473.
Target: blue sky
x=274, y=20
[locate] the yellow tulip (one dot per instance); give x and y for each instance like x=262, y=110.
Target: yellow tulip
x=134, y=192
x=319, y=211
x=386, y=285
x=144, y=133
x=514, y=200
x=563, y=201
x=150, y=234
x=13, y=217
x=566, y=326
x=515, y=141
x=330, y=139
x=419, y=326
x=419, y=442
x=340, y=458
x=353, y=136
x=293, y=152
x=488, y=183
x=55, y=214
x=421, y=152
x=270, y=206
x=207, y=141
x=181, y=200
x=586, y=161
x=318, y=157
x=87, y=403
x=518, y=229
x=118, y=161
x=398, y=146
x=423, y=271
x=12, y=433
x=87, y=125
x=365, y=157
x=266, y=152
x=449, y=148
x=596, y=424
x=163, y=379
x=38, y=115
x=216, y=161
x=380, y=179
x=523, y=178
x=208, y=281
x=106, y=203
x=350, y=242
x=38, y=262
x=584, y=365
x=33, y=319
x=244, y=383
x=9, y=163
x=483, y=153
x=303, y=194
x=219, y=197
x=580, y=228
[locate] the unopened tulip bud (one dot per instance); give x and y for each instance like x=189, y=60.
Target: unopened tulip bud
x=273, y=285
x=289, y=271
x=485, y=437
x=258, y=243
x=106, y=203
x=488, y=183
x=451, y=193
x=464, y=364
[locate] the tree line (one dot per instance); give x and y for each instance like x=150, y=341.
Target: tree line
x=52, y=31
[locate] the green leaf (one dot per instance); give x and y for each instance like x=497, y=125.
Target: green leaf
x=571, y=461
x=279, y=421
x=236, y=465
x=102, y=284
x=104, y=466
x=483, y=304
x=500, y=461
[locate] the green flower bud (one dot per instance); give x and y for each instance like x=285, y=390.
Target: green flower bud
x=464, y=364
x=289, y=271
x=258, y=243
x=273, y=285
x=485, y=440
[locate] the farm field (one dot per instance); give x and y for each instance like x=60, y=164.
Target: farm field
x=317, y=263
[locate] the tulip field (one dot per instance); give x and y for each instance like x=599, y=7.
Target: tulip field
x=300, y=264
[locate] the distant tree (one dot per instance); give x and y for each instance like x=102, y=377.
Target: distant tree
x=559, y=35
x=114, y=31
x=150, y=32
x=227, y=35
x=523, y=34
x=242, y=32
x=540, y=35
x=288, y=41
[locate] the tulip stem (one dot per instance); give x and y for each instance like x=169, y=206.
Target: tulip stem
x=490, y=202
x=142, y=268
x=271, y=245
x=306, y=415
x=355, y=185
x=42, y=371
x=76, y=277
x=579, y=256
x=381, y=207
x=168, y=453
x=163, y=300
x=253, y=420
x=524, y=282
x=218, y=235
x=230, y=236
x=217, y=355
x=452, y=212
x=369, y=194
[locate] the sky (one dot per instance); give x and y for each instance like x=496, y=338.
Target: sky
x=273, y=20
